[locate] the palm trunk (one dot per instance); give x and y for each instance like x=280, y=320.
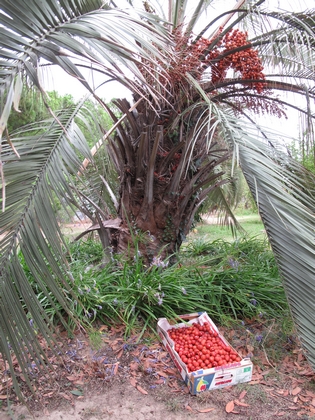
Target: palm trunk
x=161, y=185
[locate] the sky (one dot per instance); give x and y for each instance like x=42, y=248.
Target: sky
x=54, y=78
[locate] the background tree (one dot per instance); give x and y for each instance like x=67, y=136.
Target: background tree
x=192, y=114
x=302, y=154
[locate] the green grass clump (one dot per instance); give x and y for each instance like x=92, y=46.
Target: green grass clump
x=134, y=294
x=230, y=280
x=241, y=278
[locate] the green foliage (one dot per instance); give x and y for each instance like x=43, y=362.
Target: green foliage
x=303, y=153
x=241, y=277
x=129, y=292
x=32, y=107
x=89, y=251
x=209, y=232
x=94, y=131
x=230, y=280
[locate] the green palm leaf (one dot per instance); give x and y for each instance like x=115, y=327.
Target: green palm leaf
x=107, y=41
x=48, y=159
x=287, y=208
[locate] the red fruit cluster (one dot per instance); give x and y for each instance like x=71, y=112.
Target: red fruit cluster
x=200, y=347
x=186, y=57
x=245, y=61
x=195, y=57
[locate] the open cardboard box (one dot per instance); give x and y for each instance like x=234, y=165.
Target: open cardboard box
x=204, y=379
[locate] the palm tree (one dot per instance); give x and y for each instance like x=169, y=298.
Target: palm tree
x=193, y=120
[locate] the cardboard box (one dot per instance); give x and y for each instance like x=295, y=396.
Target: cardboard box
x=204, y=379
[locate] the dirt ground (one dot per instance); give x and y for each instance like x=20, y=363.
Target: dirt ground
x=105, y=376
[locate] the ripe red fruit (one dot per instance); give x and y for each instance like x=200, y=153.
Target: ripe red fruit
x=200, y=347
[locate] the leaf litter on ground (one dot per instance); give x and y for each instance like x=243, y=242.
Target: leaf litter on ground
x=288, y=380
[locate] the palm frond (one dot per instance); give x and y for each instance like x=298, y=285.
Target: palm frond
x=74, y=35
x=284, y=193
x=288, y=44
x=49, y=154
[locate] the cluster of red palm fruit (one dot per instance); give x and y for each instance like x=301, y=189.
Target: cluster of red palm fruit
x=232, y=51
x=242, y=58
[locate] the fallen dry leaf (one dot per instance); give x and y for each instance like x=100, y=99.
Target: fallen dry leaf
x=173, y=384
x=64, y=395
x=134, y=365
x=147, y=363
x=119, y=353
x=254, y=382
x=241, y=404
x=296, y=390
x=73, y=377
x=206, y=410
x=159, y=372
x=133, y=381
x=48, y=394
x=242, y=395
x=79, y=382
x=229, y=407
x=300, y=357
x=189, y=408
x=250, y=348
x=140, y=389
x=263, y=360
x=171, y=371
x=3, y=397
x=266, y=383
x=281, y=413
x=102, y=328
x=116, y=368
x=300, y=381
x=307, y=372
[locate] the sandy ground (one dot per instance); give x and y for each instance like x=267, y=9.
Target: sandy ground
x=125, y=403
